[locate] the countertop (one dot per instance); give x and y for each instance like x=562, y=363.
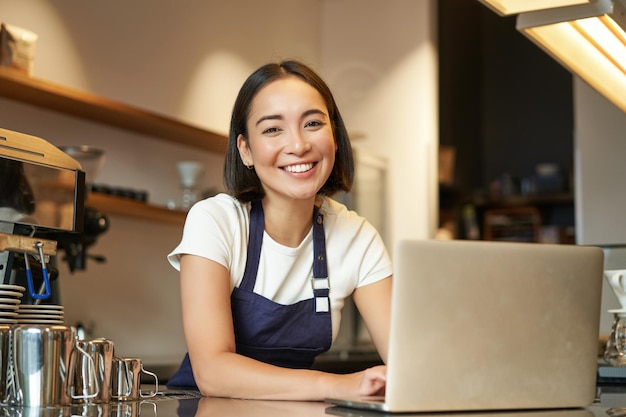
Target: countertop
x=177, y=403
x=224, y=407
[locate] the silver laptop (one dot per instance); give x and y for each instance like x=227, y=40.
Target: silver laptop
x=481, y=325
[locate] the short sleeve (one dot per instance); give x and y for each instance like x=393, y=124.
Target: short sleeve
x=214, y=229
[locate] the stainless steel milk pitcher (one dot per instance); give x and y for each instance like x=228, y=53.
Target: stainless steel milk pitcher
x=5, y=347
x=126, y=380
x=101, y=353
x=43, y=366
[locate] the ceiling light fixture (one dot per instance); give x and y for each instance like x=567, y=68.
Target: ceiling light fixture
x=508, y=7
x=587, y=39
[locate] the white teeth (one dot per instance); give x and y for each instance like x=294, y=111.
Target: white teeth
x=299, y=167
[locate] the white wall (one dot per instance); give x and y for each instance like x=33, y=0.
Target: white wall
x=188, y=60
x=381, y=62
x=600, y=152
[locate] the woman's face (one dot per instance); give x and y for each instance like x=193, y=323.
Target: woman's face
x=290, y=139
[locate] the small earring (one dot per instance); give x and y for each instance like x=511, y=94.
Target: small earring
x=250, y=167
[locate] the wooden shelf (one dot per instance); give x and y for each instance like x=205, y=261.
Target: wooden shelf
x=531, y=200
x=519, y=224
x=29, y=90
x=130, y=208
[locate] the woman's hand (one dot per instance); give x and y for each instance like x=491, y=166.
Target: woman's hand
x=373, y=381
x=369, y=382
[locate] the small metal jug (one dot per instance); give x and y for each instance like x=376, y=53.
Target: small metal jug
x=101, y=353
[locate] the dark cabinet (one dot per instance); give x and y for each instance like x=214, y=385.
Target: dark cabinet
x=506, y=108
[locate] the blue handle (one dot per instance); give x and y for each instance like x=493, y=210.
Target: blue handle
x=46, y=283
x=37, y=295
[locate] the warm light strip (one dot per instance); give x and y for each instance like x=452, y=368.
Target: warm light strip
x=605, y=35
x=508, y=7
x=572, y=49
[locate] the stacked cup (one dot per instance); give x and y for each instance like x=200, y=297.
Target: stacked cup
x=39, y=314
x=10, y=299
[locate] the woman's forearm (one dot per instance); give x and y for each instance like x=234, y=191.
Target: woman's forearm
x=236, y=376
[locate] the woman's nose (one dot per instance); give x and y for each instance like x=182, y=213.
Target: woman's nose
x=298, y=143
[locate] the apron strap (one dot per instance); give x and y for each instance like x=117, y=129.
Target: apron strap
x=255, y=240
x=320, y=281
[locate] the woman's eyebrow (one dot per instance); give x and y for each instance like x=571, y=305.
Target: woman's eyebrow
x=280, y=117
x=313, y=111
x=269, y=117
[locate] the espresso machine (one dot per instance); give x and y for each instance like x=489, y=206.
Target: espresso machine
x=42, y=203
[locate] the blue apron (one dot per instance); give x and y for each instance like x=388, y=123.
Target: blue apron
x=289, y=336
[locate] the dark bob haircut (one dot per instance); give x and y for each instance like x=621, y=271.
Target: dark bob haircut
x=243, y=183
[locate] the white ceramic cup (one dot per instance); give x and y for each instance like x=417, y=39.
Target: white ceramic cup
x=617, y=280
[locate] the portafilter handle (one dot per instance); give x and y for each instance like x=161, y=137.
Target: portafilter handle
x=26, y=244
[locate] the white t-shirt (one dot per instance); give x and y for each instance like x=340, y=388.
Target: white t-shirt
x=217, y=228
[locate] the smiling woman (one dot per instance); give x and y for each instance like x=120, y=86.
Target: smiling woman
x=265, y=269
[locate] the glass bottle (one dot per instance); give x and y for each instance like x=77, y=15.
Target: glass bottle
x=615, y=352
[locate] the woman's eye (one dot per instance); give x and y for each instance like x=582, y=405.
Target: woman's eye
x=314, y=123
x=270, y=130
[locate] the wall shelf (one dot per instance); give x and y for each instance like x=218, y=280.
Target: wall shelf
x=130, y=208
x=19, y=87
x=530, y=200
x=50, y=96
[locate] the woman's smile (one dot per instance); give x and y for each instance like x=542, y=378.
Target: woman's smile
x=299, y=168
